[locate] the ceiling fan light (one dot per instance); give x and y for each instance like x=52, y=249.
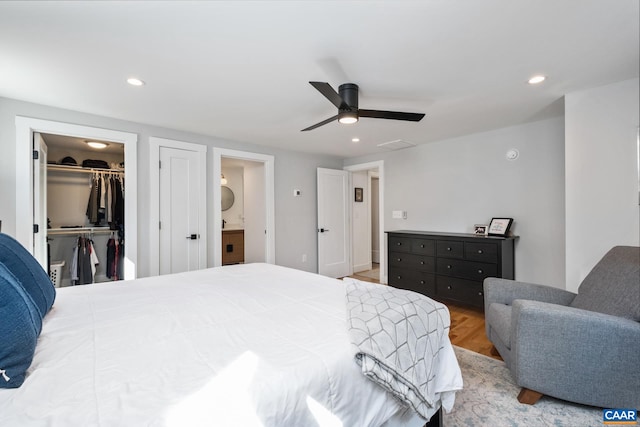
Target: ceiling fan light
x=348, y=118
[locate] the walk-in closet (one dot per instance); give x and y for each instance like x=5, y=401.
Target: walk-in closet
x=85, y=210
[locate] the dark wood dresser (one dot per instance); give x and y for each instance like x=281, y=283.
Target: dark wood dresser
x=448, y=266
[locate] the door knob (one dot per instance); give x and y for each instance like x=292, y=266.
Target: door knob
x=322, y=230
x=193, y=237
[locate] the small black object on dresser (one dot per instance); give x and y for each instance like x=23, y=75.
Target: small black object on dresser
x=448, y=266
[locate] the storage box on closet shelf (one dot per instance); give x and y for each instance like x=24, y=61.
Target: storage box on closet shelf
x=55, y=273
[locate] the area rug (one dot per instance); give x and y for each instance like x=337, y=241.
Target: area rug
x=489, y=398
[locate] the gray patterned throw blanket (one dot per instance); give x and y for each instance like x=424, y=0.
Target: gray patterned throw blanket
x=398, y=337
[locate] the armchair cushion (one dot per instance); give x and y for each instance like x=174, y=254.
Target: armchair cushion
x=499, y=317
x=613, y=286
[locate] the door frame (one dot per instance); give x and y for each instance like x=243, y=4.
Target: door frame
x=383, y=239
x=25, y=127
x=155, y=143
x=215, y=258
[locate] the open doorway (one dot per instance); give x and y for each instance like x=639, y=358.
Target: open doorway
x=243, y=207
x=84, y=208
x=367, y=221
x=243, y=214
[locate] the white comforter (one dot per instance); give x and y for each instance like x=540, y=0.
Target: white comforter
x=247, y=345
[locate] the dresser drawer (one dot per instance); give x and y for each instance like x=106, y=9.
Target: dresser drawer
x=413, y=280
x=466, y=269
x=423, y=247
x=468, y=291
x=399, y=244
x=450, y=249
x=486, y=252
x=412, y=261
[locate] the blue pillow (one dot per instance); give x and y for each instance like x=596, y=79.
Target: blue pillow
x=20, y=324
x=29, y=273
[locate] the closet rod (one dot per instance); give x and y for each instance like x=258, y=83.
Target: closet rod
x=81, y=230
x=81, y=169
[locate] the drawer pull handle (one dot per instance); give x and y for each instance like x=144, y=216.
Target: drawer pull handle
x=421, y=262
x=399, y=277
x=449, y=267
x=448, y=249
x=422, y=246
x=449, y=287
x=422, y=282
x=479, y=251
x=399, y=244
x=480, y=293
x=479, y=271
x=399, y=259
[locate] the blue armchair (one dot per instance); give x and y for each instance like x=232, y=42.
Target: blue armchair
x=584, y=347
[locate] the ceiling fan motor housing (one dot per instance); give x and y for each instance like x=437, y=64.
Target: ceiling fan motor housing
x=349, y=94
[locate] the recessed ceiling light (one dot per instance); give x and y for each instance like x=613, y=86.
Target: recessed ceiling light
x=135, y=82
x=537, y=79
x=96, y=144
x=355, y=139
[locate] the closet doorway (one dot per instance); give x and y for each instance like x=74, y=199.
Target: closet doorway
x=32, y=186
x=84, y=210
x=243, y=213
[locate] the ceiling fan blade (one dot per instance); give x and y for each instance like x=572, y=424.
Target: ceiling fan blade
x=393, y=115
x=330, y=93
x=322, y=123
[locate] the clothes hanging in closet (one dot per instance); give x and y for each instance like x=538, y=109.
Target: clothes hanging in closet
x=84, y=262
x=106, y=199
x=115, y=257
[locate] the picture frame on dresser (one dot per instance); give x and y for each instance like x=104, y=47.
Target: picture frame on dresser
x=499, y=226
x=480, y=229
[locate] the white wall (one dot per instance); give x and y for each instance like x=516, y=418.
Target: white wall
x=234, y=216
x=601, y=174
x=375, y=223
x=295, y=232
x=254, y=212
x=360, y=219
x=453, y=184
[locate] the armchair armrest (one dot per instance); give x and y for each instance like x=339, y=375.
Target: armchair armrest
x=505, y=291
x=575, y=354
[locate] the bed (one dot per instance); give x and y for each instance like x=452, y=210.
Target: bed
x=244, y=345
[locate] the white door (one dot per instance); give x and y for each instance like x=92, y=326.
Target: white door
x=182, y=237
x=334, y=243
x=255, y=237
x=40, y=201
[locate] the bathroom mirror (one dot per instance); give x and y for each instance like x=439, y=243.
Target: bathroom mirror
x=227, y=197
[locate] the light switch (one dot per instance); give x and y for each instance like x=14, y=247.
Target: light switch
x=396, y=214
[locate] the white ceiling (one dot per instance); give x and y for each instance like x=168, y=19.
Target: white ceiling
x=239, y=70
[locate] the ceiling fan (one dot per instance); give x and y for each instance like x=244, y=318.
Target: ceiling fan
x=346, y=99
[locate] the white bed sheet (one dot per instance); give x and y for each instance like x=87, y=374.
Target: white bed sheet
x=246, y=345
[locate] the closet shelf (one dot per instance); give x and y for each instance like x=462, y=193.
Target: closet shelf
x=65, y=168
x=80, y=230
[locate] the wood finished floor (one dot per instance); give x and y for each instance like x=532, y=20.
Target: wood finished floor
x=467, y=326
